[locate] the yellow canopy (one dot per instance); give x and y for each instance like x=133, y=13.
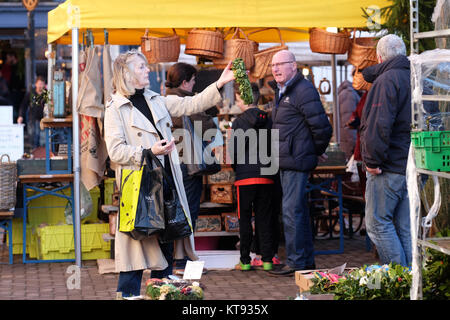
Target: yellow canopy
x=126, y=21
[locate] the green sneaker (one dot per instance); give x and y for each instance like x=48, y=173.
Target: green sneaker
x=267, y=266
x=245, y=266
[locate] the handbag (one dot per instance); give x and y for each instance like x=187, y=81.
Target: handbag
x=141, y=210
x=197, y=164
x=177, y=224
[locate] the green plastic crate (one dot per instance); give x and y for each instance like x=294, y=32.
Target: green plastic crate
x=432, y=150
x=57, y=242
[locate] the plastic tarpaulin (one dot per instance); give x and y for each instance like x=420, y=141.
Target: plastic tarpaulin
x=127, y=21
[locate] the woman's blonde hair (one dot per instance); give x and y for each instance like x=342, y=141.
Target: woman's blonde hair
x=123, y=74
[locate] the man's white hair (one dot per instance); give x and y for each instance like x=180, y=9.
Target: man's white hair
x=390, y=46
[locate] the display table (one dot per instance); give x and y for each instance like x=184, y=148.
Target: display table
x=327, y=175
x=39, y=183
x=57, y=131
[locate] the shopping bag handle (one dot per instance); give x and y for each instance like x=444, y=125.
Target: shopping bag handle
x=149, y=156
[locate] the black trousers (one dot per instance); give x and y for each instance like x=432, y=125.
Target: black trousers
x=255, y=198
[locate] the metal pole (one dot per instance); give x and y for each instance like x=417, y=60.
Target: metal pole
x=336, y=119
x=50, y=59
x=76, y=148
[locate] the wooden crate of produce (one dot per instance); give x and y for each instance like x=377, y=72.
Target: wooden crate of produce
x=230, y=221
x=221, y=193
x=208, y=223
x=224, y=176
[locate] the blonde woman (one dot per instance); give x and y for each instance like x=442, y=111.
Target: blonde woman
x=137, y=118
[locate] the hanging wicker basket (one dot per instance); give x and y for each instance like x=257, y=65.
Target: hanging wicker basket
x=322, y=41
x=205, y=43
x=237, y=48
x=263, y=58
x=164, y=49
x=8, y=183
x=362, y=51
x=359, y=83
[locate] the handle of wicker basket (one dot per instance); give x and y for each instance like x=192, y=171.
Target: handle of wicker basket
x=146, y=32
x=264, y=29
x=3, y=155
x=237, y=33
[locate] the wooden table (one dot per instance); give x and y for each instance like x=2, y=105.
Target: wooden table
x=29, y=182
x=57, y=132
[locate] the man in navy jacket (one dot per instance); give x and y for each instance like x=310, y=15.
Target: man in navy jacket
x=385, y=140
x=304, y=134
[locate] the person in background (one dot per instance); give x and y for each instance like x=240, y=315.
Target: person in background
x=5, y=96
x=385, y=141
x=180, y=82
x=32, y=111
x=254, y=190
x=304, y=134
x=138, y=119
x=348, y=100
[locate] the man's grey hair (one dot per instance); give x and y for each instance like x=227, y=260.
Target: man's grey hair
x=390, y=46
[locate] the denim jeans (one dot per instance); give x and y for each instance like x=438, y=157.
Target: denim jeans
x=297, y=228
x=130, y=281
x=387, y=217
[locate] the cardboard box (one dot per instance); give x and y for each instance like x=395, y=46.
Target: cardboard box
x=222, y=193
x=230, y=221
x=208, y=223
x=303, y=279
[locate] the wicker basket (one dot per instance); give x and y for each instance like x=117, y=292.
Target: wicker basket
x=237, y=48
x=322, y=41
x=164, y=49
x=8, y=182
x=263, y=58
x=205, y=43
x=359, y=83
x=362, y=52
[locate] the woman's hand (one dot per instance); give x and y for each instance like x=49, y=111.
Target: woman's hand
x=226, y=76
x=161, y=147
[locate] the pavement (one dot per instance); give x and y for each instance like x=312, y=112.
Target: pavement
x=51, y=281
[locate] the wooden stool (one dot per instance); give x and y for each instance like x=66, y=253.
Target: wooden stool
x=6, y=223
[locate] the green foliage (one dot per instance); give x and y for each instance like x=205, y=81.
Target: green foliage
x=396, y=20
x=436, y=276
x=240, y=73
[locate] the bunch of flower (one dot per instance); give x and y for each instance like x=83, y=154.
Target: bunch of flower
x=164, y=289
x=324, y=282
x=373, y=282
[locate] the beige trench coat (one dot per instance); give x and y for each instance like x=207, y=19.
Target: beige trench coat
x=127, y=133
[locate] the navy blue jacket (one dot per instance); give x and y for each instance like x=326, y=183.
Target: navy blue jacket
x=386, y=118
x=245, y=151
x=304, y=128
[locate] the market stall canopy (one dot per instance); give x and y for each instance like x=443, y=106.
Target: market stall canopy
x=126, y=21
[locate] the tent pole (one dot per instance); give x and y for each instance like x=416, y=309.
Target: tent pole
x=76, y=148
x=336, y=119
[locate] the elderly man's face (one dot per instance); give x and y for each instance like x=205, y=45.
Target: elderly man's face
x=284, y=67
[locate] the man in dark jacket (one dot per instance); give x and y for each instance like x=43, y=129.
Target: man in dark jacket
x=385, y=140
x=304, y=134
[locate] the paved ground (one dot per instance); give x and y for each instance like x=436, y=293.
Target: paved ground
x=48, y=281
